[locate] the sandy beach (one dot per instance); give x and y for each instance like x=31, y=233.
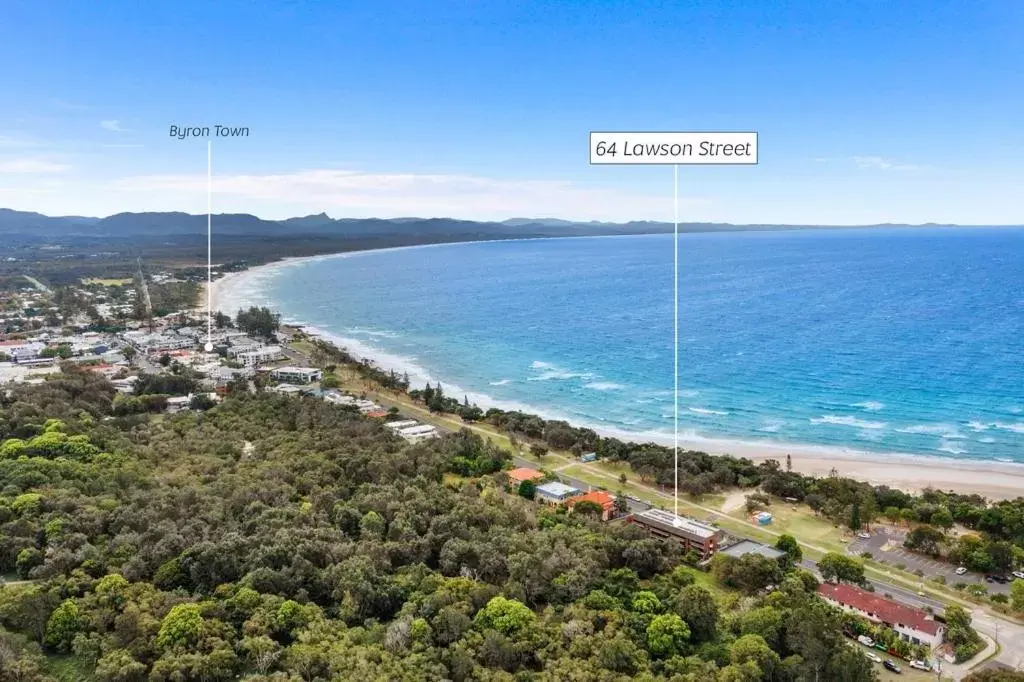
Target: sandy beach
x=910, y=472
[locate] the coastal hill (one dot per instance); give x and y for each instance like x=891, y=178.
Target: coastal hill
x=243, y=224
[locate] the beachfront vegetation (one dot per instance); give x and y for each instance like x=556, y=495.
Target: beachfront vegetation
x=258, y=322
x=286, y=538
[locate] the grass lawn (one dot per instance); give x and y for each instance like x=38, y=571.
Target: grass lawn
x=800, y=522
x=69, y=669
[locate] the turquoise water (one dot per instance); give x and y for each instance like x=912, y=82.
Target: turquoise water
x=876, y=340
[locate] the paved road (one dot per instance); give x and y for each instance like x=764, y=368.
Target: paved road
x=896, y=554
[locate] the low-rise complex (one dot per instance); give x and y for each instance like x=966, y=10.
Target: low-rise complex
x=556, y=492
x=911, y=624
x=296, y=375
x=692, y=534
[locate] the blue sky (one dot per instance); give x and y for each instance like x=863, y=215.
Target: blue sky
x=867, y=111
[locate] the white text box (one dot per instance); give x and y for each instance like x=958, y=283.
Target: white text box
x=673, y=148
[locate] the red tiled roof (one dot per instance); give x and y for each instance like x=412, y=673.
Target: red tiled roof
x=523, y=474
x=888, y=611
x=597, y=497
x=377, y=413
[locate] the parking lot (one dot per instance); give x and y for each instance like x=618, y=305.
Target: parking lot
x=886, y=545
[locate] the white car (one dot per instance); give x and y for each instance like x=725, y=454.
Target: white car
x=920, y=665
x=961, y=570
x=864, y=536
x=873, y=656
x=1019, y=575
x=866, y=641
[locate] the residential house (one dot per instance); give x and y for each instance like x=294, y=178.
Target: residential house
x=914, y=625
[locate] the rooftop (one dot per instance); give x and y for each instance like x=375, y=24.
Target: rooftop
x=750, y=547
x=557, y=489
x=523, y=474
x=605, y=499
x=680, y=524
x=886, y=610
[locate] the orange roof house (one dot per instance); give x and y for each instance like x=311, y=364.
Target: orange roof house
x=517, y=476
x=599, y=497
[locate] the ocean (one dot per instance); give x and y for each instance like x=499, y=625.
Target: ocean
x=901, y=341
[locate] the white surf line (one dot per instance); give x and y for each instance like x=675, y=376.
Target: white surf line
x=675, y=339
x=209, y=245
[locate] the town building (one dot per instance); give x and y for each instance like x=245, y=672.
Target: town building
x=692, y=534
x=556, y=492
x=415, y=434
x=517, y=476
x=599, y=497
x=261, y=356
x=401, y=424
x=744, y=547
x=296, y=375
x=911, y=624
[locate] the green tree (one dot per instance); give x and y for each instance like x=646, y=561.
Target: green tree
x=835, y=567
x=1017, y=594
x=64, y=623
x=182, y=626
x=507, y=616
x=667, y=635
x=528, y=489
x=789, y=545
x=697, y=606
x=753, y=648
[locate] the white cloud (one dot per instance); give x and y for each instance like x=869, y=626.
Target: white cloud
x=401, y=194
x=31, y=165
x=884, y=164
x=114, y=125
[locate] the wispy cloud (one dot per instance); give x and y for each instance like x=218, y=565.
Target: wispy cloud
x=32, y=166
x=114, y=125
x=396, y=194
x=884, y=164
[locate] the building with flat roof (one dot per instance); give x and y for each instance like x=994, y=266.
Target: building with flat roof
x=556, y=492
x=415, y=434
x=692, y=534
x=744, y=547
x=914, y=625
x=296, y=375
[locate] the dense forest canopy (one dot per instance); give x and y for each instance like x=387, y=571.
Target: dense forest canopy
x=289, y=539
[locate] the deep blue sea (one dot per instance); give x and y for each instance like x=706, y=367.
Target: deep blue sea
x=899, y=341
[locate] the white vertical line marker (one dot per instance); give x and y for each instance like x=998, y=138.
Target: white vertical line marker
x=209, y=243
x=675, y=353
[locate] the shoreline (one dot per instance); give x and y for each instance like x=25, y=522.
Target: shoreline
x=909, y=472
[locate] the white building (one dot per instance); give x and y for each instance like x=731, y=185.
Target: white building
x=296, y=375
x=261, y=356
x=414, y=434
x=401, y=424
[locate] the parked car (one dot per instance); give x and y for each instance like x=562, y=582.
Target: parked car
x=866, y=641
x=873, y=656
x=1019, y=575
x=961, y=570
x=920, y=665
x=864, y=535
x=890, y=665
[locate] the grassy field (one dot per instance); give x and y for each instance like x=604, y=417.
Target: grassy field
x=801, y=522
